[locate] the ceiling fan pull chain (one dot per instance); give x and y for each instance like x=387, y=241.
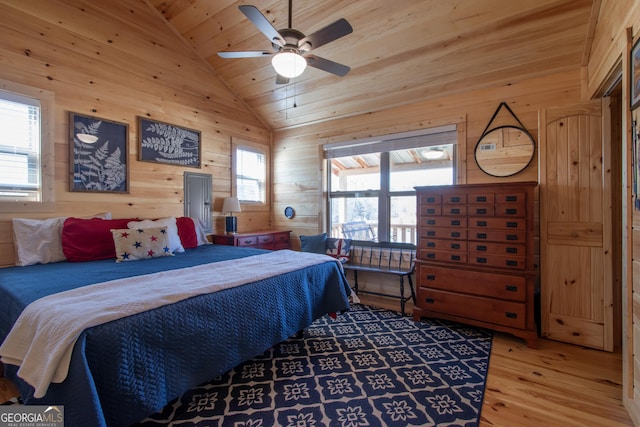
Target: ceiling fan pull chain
x=290, y=20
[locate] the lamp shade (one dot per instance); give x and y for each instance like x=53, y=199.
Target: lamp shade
x=289, y=64
x=231, y=205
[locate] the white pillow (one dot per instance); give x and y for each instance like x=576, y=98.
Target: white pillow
x=172, y=230
x=38, y=241
x=200, y=234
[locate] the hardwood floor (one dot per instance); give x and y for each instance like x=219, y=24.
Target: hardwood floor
x=556, y=384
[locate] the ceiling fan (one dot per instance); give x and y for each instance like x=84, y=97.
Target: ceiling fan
x=291, y=47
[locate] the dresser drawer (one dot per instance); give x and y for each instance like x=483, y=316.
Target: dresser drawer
x=430, y=199
x=511, y=210
x=460, y=210
x=515, y=197
x=455, y=198
x=442, y=245
x=497, y=235
x=502, y=223
x=481, y=210
x=507, y=313
x=445, y=221
x=429, y=210
x=281, y=240
x=444, y=233
x=247, y=241
x=507, y=249
x=493, y=260
x=493, y=285
x=481, y=198
x=443, y=256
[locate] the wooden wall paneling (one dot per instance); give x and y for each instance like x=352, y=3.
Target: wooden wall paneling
x=116, y=62
x=609, y=41
x=299, y=187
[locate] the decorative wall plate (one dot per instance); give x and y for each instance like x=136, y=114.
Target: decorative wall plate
x=289, y=212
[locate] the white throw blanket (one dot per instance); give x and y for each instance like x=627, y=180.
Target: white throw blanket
x=41, y=341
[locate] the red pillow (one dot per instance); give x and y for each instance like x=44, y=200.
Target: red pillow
x=187, y=232
x=90, y=239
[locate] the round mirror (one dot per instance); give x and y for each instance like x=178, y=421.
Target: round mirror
x=504, y=151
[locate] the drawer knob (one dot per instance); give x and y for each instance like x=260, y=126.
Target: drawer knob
x=511, y=315
x=481, y=248
x=512, y=263
x=481, y=223
x=512, y=237
x=455, y=222
x=512, y=198
x=429, y=300
x=481, y=260
x=512, y=250
x=512, y=224
x=455, y=257
x=455, y=211
x=455, y=234
x=455, y=246
x=511, y=211
x=455, y=199
x=511, y=288
x=481, y=235
x=431, y=277
x=431, y=244
x=481, y=211
x=431, y=256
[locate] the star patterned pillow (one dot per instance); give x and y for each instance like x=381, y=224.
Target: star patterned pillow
x=141, y=243
x=339, y=249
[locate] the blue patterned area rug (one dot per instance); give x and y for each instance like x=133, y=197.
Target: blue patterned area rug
x=369, y=367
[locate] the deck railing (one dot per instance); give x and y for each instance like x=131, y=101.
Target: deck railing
x=402, y=233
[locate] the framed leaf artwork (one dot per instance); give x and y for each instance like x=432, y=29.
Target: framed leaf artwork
x=98, y=152
x=169, y=144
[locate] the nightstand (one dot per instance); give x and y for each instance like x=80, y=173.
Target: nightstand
x=272, y=240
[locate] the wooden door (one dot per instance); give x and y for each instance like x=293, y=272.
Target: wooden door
x=576, y=225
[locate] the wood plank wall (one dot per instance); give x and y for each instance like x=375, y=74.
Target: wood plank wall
x=618, y=22
x=299, y=183
x=116, y=60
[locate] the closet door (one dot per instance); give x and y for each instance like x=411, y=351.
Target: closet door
x=576, y=225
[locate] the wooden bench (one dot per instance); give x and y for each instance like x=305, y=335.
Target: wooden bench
x=384, y=257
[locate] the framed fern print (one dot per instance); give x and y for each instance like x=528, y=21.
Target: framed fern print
x=98, y=154
x=169, y=144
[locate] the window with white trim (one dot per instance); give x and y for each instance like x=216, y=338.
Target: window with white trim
x=250, y=172
x=371, y=182
x=24, y=120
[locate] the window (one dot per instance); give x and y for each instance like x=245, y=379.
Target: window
x=371, y=183
x=26, y=148
x=249, y=172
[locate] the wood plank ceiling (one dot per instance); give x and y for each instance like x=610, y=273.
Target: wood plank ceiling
x=400, y=51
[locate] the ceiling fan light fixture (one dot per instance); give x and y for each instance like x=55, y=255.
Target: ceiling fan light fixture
x=289, y=64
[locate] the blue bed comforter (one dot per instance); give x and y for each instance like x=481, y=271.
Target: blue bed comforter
x=124, y=370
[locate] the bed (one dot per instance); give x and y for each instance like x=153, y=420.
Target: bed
x=126, y=369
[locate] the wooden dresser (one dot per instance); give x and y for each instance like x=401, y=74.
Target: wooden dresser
x=475, y=261
x=272, y=240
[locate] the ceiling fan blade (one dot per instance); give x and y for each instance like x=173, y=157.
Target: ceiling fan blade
x=245, y=54
x=327, y=65
x=280, y=80
x=262, y=23
x=331, y=32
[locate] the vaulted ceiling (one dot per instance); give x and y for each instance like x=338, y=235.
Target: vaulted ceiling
x=400, y=51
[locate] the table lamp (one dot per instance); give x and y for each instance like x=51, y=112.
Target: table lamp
x=231, y=205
